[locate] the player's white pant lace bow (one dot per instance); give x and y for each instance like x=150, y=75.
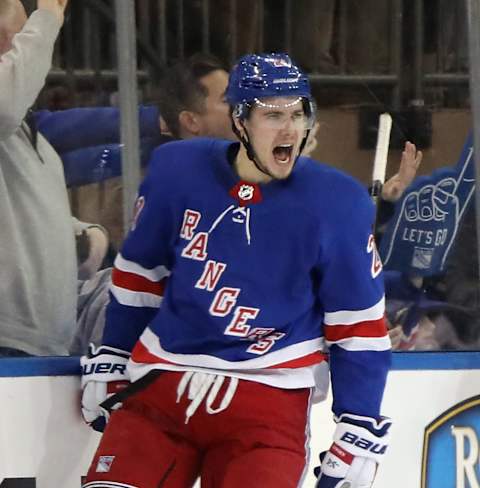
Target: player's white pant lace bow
x=199, y=384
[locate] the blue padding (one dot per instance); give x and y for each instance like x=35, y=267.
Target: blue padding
x=435, y=360
x=40, y=366
x=402, y=361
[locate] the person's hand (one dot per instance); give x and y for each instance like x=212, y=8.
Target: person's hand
x=393, y=188
x=359, y=444
x=57, y=7
x=396, y=336
x=97, y=242
x=104, y=373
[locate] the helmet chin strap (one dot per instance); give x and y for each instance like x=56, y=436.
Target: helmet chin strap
x=251, y=153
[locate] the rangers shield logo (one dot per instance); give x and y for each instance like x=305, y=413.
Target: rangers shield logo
x=104, y=464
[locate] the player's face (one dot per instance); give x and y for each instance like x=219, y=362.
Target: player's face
x=276, y=127
x=215, y=120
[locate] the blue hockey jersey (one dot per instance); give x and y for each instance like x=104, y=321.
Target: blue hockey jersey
x=252, y=281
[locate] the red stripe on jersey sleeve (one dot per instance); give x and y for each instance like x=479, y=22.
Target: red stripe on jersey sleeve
x=371, y=328
x=134, y=282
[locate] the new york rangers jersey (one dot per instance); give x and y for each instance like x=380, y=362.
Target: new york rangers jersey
x=252, y=281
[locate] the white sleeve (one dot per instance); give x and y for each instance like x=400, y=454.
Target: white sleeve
x=79, y=226
x=24, y=68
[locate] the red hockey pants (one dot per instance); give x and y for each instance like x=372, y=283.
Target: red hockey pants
x=258, y=440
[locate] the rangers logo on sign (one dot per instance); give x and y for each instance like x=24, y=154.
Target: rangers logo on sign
x=104, y=464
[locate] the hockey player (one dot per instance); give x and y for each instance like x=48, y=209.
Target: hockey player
x=262, y=261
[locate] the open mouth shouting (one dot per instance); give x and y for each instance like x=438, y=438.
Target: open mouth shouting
x=283, y=153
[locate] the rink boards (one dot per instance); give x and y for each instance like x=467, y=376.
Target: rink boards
x=434, y=399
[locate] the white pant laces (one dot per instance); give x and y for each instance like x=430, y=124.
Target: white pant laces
x=199, y=385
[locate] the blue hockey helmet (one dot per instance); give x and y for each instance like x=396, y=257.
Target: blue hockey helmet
x=257, y=76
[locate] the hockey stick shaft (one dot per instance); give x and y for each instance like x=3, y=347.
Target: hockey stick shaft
x=130, y=390
x=381, y=155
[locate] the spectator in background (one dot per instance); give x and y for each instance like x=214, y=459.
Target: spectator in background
x=192, y=99
x=38, y=294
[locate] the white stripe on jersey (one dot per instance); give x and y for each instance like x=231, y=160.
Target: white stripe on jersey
x=350, y=317
x=135, y=298
x=107, y=484
x=315, y=376
x=296, y=351
x=363, y=343
x=154, y=274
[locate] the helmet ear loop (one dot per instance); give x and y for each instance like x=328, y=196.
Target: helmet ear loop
x=303, y=144
x=309, y=107
x=248, y=146
x=244, y=140
x=237, y=114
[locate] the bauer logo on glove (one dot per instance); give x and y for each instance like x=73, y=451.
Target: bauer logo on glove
x=359, y=444
x=376, y=448
x=104, y=372
x=98, y=368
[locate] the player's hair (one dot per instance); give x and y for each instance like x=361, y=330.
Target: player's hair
x=180, y=88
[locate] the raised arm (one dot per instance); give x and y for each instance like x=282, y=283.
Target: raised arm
x=25, y=58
